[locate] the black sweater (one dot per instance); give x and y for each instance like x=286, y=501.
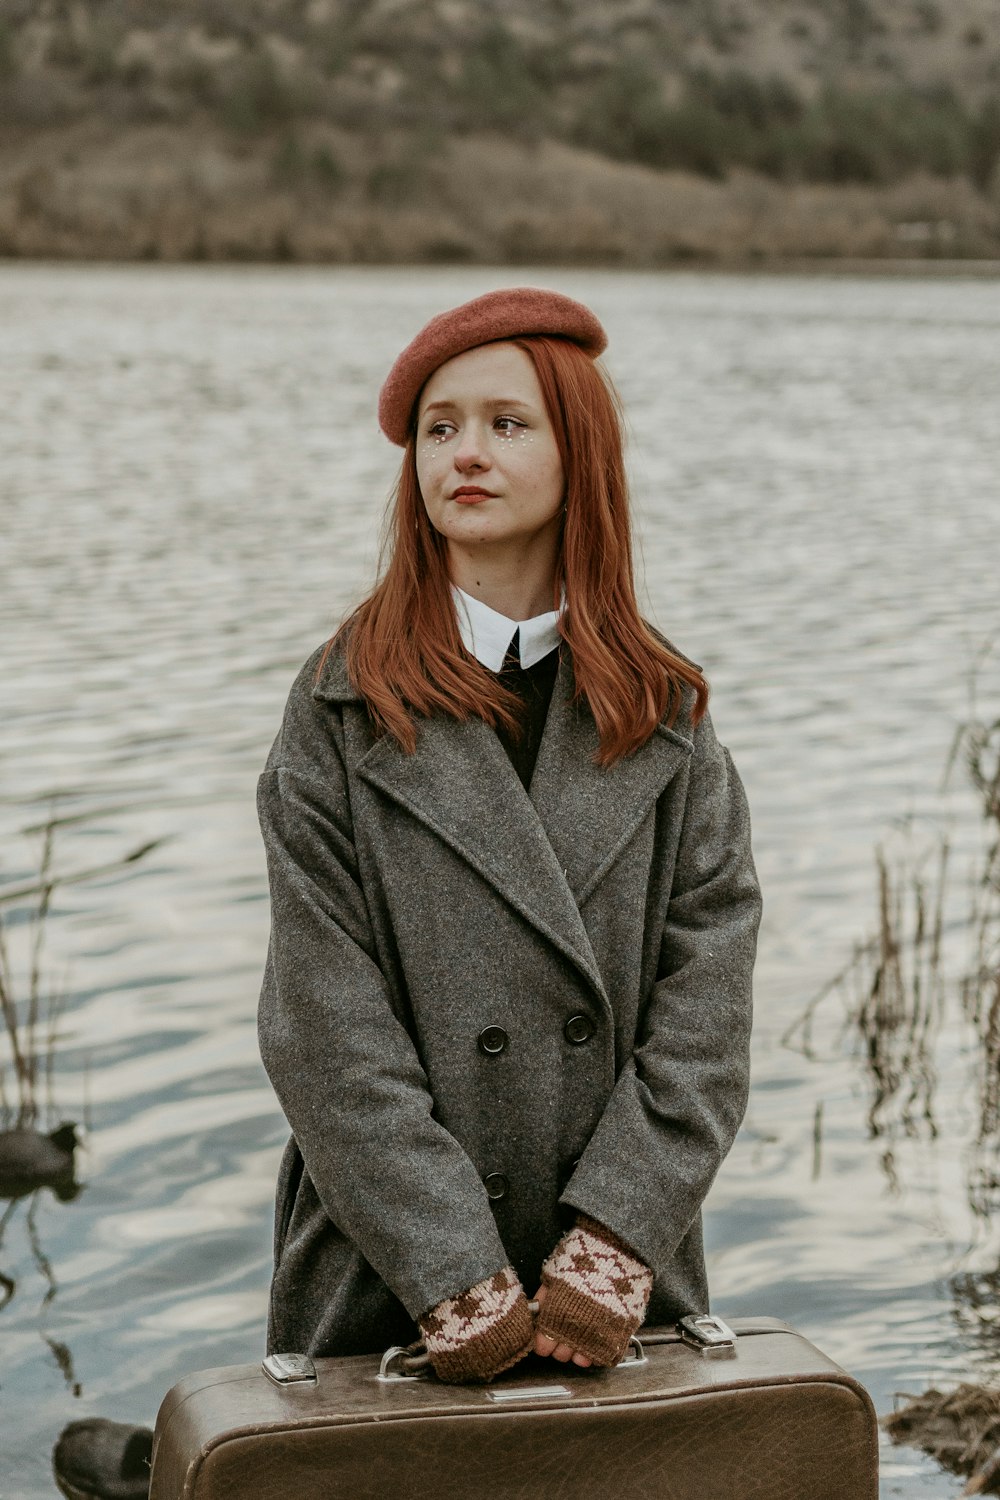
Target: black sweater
x=533, y=686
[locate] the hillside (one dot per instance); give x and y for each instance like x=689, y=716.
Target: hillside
x=635, y=132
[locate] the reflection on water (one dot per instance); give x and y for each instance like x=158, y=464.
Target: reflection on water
x=190, y=490
x=32, y=1158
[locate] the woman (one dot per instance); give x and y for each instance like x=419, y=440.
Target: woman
x=507, y=1001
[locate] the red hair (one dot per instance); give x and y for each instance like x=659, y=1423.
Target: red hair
x=403, y=647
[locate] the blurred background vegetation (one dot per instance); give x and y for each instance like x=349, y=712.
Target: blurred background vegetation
x=636, y=132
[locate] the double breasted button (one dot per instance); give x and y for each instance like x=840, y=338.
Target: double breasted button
x=492, y=1039
x=496, y=1185
x=578, y=1029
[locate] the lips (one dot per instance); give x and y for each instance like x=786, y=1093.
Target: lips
x=471, y=494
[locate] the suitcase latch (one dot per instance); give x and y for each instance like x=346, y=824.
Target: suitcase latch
x=708, y=1334
x=289, y=1369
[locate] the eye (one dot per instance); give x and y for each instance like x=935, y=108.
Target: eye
x=439, y=429
x=507, y=426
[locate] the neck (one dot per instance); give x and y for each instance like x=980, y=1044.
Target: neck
x=518, y=583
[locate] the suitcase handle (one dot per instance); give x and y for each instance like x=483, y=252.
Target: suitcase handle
x=705, y=1332
x=411, y=1361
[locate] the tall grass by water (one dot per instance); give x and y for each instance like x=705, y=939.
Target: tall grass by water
x=929, y=965
x=31, y=1003
x=930, y=970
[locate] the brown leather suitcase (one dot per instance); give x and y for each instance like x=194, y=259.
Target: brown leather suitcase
x=689, y=1415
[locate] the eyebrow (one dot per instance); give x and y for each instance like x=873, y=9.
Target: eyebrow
x=496, y=401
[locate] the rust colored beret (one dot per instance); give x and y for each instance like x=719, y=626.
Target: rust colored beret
x=512, y=312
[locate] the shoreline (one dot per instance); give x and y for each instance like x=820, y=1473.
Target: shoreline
x=183, y=194
x=818, y=267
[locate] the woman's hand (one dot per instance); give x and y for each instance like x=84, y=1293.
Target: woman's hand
x=594, y=1296
x=547, y=1346
x=481, y=1332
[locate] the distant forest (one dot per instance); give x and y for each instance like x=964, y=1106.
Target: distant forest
x=368, y=67
x=365, y=99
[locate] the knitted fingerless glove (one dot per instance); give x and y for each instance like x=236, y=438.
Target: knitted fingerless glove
x=481, y=1332
x=597, y=1292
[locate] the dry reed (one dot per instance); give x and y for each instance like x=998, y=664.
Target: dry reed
x=959, y=1428
x=898, y=981
x=31, y=1025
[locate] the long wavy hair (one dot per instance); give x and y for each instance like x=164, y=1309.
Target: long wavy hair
x=403, y=648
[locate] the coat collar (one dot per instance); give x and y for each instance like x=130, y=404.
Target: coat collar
x=545, y=853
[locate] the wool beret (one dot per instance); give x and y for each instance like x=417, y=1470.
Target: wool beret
x=512, y=312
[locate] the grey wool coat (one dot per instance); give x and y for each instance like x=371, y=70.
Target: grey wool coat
x=484, y=1010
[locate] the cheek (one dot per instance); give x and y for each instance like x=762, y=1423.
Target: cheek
x=538, y=465
x=429, y=464
x=554, y=484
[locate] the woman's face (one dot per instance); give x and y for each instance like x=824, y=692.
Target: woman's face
x=487, y=463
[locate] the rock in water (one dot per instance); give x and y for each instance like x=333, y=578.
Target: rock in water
x=30, y=1160
x=100, y=1460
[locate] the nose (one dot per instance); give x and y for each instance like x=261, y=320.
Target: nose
x=470, y=451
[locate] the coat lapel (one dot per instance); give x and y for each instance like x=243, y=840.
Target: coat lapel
x=547, y=853
x=590, y=812
x=460, y=783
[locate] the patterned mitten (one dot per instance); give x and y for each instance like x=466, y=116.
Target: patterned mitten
x=597, y=1293
x=481, y=1332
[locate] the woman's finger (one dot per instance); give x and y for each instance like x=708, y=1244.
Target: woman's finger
x=547, y=1347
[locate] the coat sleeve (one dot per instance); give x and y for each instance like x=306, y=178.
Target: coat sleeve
x=341, y=1060
x=679, y=1100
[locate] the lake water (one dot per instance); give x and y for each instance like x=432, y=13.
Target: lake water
x=190, y=488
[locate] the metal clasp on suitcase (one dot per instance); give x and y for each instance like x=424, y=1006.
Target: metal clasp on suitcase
x=289, y=1369
x=708, y=1334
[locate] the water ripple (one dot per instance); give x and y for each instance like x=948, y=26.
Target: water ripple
x=191, y=489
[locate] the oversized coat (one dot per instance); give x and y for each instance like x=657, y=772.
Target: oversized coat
x=485, y=1010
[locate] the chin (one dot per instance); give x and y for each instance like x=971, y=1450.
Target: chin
x=473, y=532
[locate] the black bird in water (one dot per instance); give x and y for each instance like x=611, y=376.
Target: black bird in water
x=100, y=1460
x=30, y=1160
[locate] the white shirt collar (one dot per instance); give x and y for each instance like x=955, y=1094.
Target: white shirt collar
x=487, y=635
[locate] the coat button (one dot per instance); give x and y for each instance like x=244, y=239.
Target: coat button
x=492, y=1039
x=496, y=1185
x=578, y=1029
